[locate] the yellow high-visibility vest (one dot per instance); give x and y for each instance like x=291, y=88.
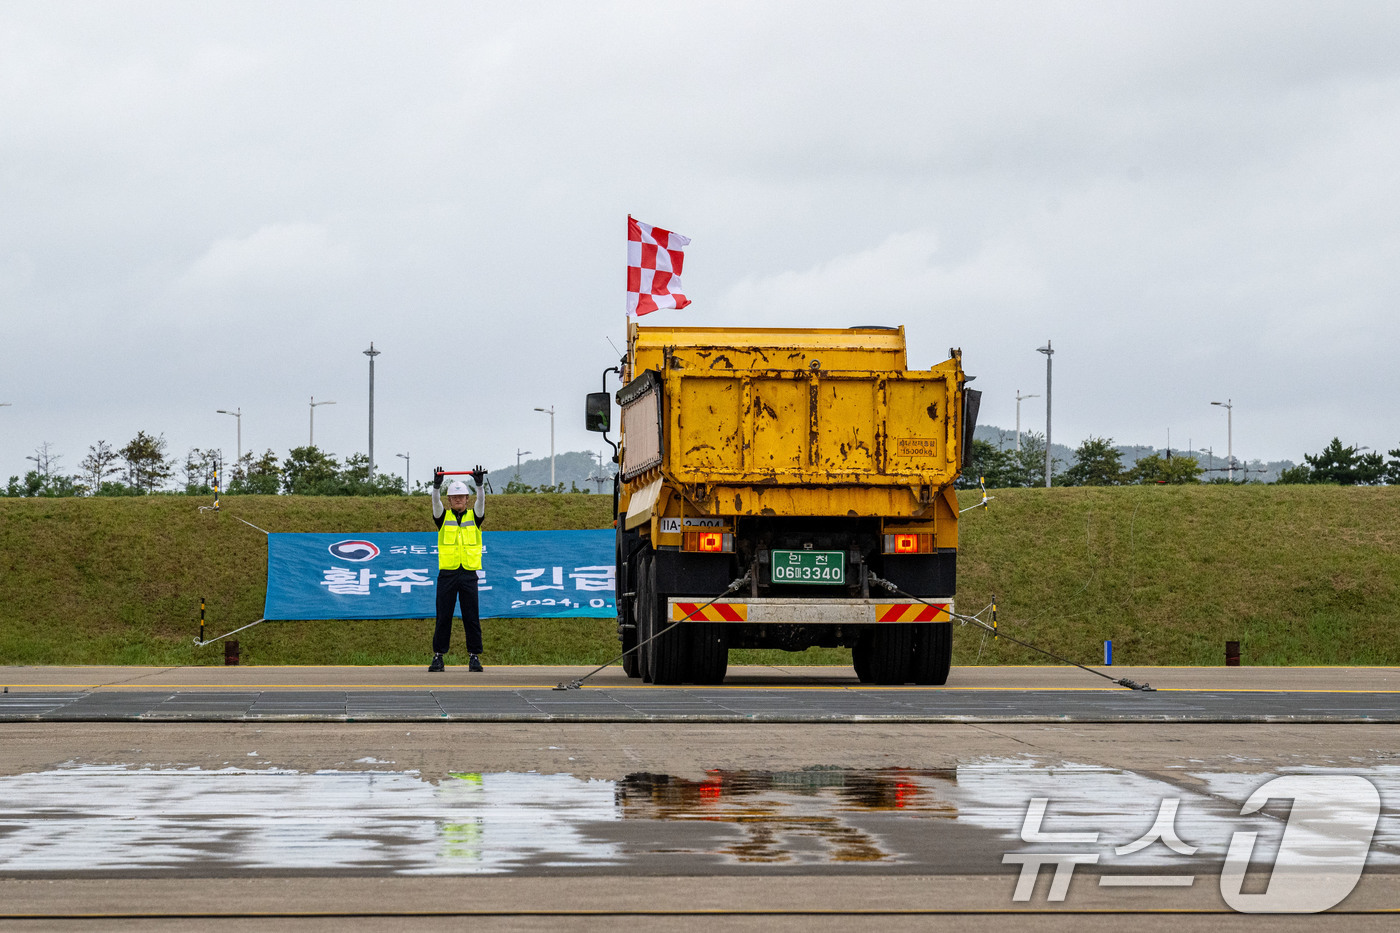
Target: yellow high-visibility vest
x=459, y=544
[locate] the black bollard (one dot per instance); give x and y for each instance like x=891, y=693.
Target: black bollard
x=1232, y=654
x=230, y=654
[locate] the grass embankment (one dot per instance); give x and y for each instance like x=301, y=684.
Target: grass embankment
x=1298, y=575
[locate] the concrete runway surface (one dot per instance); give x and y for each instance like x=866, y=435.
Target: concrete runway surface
x=662, y=825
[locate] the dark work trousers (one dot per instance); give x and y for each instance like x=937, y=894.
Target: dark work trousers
x=452, y=586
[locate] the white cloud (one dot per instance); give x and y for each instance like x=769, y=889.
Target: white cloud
x=1193, y=200
x=273, y=255
x=883, y=283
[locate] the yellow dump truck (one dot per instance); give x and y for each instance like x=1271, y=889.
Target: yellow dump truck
x=787, y=469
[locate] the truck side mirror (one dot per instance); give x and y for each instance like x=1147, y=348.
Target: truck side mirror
x=597, y=414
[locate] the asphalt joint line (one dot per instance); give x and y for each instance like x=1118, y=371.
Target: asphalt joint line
x=136, y=677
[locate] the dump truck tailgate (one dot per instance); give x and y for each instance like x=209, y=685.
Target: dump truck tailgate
x=785, y=427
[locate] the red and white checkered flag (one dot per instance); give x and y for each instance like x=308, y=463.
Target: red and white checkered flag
x=654, y=260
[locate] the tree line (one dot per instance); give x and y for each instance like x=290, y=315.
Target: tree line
x=144, y=466
x=1098, y=463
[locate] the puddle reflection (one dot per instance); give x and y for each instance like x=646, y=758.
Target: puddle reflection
x=138, y=820
x=777, y=810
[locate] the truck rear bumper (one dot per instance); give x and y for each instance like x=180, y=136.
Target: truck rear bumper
x=778, y=611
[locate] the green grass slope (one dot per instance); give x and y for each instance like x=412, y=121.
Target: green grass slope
x=1297, y=575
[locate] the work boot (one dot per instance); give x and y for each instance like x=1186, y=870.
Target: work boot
x=474, y=664
x=437, y=666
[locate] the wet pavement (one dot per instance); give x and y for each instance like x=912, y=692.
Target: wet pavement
x=703, y=704
x=141, y=821
x=669, y=825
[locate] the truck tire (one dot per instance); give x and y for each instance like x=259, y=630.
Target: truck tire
x=668, y=653
x=627, y=619
x=860, y=659
x=891, y=653
x=709, y=651
x=644, y=611
x=933, y=652
x=631, y=662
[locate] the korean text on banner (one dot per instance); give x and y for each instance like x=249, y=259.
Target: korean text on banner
x=524, y=575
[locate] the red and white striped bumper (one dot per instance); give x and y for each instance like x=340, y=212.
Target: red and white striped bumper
x=775, y=611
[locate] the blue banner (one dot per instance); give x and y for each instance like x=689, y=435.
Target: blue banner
x=524, y=575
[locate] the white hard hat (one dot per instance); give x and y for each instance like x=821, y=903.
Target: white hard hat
x=457, y=488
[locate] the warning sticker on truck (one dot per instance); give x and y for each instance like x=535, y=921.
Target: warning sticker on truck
x=915, y=446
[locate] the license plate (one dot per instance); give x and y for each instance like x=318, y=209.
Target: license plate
x=809, y=567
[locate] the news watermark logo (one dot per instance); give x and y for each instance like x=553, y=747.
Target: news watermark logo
x=354, y=550
x=1319, y=859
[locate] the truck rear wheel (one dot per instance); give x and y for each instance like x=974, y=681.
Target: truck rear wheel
x=860, y=659
x=631, y=663
x=666, y=655
x=644, y=613
x=891, y=653
x=627, y=618
x=709, y=651
x=933, y=652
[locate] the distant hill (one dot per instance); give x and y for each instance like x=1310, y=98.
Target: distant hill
x=1254, y=470
x=572, y=469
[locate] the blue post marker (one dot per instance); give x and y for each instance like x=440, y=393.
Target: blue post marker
x=1108, y=653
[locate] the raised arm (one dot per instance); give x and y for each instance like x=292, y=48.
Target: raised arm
x=479, y=507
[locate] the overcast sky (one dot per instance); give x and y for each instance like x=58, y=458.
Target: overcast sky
x=219, y=205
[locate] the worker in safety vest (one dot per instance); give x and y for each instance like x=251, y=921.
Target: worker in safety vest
x=459, y=558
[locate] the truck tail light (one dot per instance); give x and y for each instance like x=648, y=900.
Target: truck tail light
x=905, y=543
x=709, y=542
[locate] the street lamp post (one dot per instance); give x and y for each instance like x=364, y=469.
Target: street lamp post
x=371, y=353
x=1019, y=396
x=550, y=411
x=600, y=475
x=518, y=454
x=407, y=470
x=237, y=413
x=1049, y=355
x=1229, y=407
x=311, y=435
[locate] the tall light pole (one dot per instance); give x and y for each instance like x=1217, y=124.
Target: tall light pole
x=407, y=469
x=1019, y=396
x=518, y=454
x=1049, y=357
x=311, y=435
x=371, y=353
x=600, y=476
x=1229, y=407
x=237, y=413
x=550, y=411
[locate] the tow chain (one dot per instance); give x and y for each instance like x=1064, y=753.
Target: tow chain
x=1001, y=633
x=878, y=581
x=733, y=587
